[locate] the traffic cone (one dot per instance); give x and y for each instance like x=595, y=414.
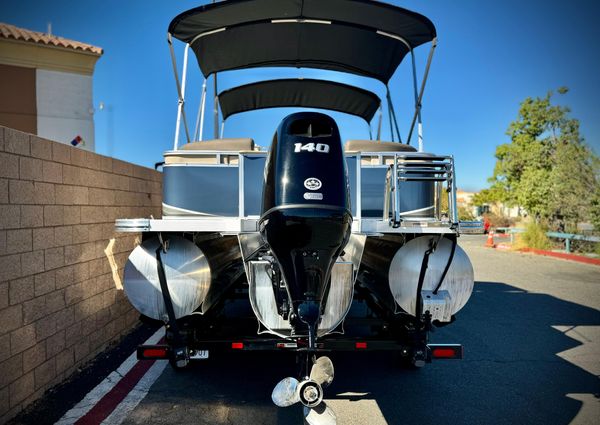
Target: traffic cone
x=490, y=240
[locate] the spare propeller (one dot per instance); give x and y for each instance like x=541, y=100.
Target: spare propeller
x=309, y=392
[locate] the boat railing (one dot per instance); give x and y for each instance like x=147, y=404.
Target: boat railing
x=391, y=192
x=431, y=172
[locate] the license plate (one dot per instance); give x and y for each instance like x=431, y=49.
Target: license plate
x=199, y=355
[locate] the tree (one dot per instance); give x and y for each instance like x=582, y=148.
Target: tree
x=546, y=168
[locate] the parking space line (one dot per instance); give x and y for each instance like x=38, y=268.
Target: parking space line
x=137, y=394
x=130, y=382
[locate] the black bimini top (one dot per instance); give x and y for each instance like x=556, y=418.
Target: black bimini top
x=363, y=37
x=299, y=92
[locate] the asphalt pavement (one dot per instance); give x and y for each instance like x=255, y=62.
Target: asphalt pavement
x=531, y=334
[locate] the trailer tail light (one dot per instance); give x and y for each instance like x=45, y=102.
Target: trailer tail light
x=153, y=352
x=443, y=353
x=237, y=345
x=361, y=345
x=449, y=351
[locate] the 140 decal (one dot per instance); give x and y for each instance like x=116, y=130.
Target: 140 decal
x=311, y=147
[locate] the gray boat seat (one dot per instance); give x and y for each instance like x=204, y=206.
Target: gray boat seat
x=206, y=152
x=239, y=144
x=376, y=146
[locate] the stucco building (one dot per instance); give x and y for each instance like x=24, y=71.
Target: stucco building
x=46, y=85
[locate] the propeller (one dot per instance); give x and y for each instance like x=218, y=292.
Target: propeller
x=285, y=392
x=322, y=371
x=309, y=392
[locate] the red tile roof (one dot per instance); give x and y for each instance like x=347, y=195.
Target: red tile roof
x=11, y=32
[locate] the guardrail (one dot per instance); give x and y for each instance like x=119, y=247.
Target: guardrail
x=568, y=237
x=471, y=227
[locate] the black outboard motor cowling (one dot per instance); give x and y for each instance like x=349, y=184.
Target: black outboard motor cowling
x=306, y=218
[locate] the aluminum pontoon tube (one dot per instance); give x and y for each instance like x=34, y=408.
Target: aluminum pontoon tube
x=375, y=264
x=187, y=275
x=406, y=274
x=225, y=260
x=221, y=252
x=378, y=254
x=391, y=271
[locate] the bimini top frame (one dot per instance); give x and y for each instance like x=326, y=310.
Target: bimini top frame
x=363, y=37
x=359, y=36
x=306, y=93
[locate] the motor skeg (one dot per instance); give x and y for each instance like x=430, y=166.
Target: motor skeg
x=306, y=218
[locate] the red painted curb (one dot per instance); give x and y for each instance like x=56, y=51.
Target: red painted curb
x=564, y=256
x=111, y=400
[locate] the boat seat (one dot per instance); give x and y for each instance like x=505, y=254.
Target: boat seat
x=205, y=152
x=239, y=144
x=376, y=146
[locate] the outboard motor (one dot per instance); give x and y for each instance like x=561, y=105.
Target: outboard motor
x=306, y=218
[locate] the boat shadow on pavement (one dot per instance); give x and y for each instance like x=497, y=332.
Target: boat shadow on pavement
x=510, y=374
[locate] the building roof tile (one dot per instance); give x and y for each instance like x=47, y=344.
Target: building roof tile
x=11, y=32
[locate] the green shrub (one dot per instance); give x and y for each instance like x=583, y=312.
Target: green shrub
x=465, y=214
x=535, y=237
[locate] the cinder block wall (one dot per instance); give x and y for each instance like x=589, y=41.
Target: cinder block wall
x=61, y=300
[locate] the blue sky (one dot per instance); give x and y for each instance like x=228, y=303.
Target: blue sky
x=490, y=56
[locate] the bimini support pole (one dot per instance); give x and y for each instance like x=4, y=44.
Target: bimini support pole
x=389, y=113
x=216, y=103
x=180, y=91
x=417, y=115
x=198, y=131
x=216, y=108
x=416, y=92
x=392, y=115
x=379, y=123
